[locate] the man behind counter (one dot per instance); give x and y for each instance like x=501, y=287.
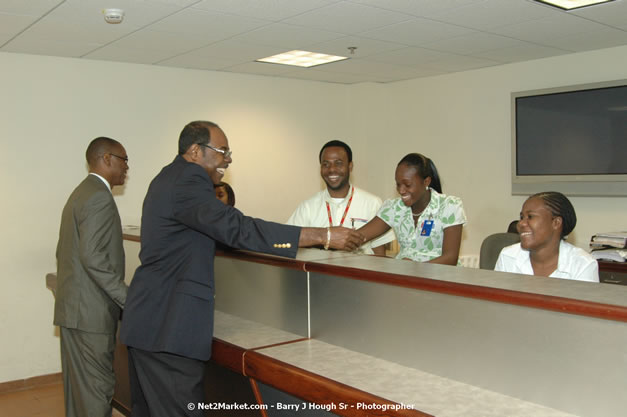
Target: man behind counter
x=340, y=203
x=168, y=317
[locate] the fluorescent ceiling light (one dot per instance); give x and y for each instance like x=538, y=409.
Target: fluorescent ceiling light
x=572, y=4
x=302, y=58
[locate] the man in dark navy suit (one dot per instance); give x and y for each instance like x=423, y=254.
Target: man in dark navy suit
x=168, y=317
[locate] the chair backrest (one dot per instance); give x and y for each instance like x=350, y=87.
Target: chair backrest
x=492, y=246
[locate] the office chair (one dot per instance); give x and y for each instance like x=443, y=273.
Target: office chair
x=492, y=246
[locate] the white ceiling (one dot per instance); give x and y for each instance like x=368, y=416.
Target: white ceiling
x=395, y=39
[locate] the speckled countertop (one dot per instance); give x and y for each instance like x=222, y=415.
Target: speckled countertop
x=426, y=392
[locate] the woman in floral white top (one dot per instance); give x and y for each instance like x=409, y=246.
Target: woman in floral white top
x=427, y=223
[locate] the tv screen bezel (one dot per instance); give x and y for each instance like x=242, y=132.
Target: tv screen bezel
x=573, y=185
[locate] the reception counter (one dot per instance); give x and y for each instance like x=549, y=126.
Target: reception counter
x=334, y=333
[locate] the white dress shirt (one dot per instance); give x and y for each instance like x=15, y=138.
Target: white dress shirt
x=364, y=207
x=572, y=263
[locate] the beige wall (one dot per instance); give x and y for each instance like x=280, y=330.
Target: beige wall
x=462, y=121
x=52, y=107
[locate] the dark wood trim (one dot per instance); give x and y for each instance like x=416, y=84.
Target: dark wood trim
x=280, y=343
x=545, y=302
x=32, y=382
x=317, y=389
x=228, y=355
x=245, y=256
x=262, y=259
x=121, y=407
x=258, y=396
x=133, y=238
x=605, y=266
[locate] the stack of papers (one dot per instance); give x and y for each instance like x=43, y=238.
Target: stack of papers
x=610, y=239
x=609, y=246
x=616, y=255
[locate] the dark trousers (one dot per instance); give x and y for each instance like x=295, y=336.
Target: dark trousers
x=165, y=385
x=88, y=378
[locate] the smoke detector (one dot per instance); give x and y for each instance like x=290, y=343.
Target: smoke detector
x=113, y=16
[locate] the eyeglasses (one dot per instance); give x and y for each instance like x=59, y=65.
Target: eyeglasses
x=124, y=158
x=226, y=153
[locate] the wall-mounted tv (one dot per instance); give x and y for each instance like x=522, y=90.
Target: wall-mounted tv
x=571, y=139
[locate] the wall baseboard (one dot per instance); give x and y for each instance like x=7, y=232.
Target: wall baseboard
x=32, y=382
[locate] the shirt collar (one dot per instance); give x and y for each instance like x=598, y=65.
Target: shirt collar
x=562, y=258
x=101, y=179
x=330, y=199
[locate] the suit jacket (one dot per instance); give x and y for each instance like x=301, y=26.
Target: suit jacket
x=90, y=261
x=171, y=297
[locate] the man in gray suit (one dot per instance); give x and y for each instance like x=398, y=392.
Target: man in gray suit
x=90, y=282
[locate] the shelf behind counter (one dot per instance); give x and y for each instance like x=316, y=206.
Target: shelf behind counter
x=447, y=341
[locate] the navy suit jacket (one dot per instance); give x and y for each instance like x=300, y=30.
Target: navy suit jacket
x=170, y=302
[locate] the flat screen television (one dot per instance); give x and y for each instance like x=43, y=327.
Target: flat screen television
x=571, y=139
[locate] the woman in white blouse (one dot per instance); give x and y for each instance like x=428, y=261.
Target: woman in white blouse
x=546, y=220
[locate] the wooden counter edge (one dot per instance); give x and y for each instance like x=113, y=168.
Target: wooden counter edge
x=540, y=301
x=320, y=390
x=498, y=295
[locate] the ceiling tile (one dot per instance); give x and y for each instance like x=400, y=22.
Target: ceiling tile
x=262, y=68
x=409, y=56
x=395, y=39
x=137, y=13
x=364, y=66
x=327, y=76
x=552, y=27
x=365, y=46
x=28, y=7
x=226, y=54
x=167, y=42
x=147, y=47
x=416, y=31
x=286, y=36
x=347, y=18
x=457, y=63
x=49, y=47
x=418, y=8
x=212, y=25
x=273, y=10
x=138, y=56
x=521, y=53
x=603, y=37
x=58, y=30
x=473, y=43
x=612, y=14
x=11, y=25
x=494, y=13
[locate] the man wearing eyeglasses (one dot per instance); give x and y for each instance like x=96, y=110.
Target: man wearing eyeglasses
x=168, y=317
x=90, y=289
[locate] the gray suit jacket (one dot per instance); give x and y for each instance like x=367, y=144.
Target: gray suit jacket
x=90, y=261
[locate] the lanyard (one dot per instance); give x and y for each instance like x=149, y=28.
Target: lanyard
x=345, y=211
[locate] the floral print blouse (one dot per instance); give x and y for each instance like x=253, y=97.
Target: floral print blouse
x=418, y=242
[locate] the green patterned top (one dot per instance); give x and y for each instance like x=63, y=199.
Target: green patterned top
x=445, y=211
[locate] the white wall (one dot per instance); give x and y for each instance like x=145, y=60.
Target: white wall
x=52, y=107
x=462, y=121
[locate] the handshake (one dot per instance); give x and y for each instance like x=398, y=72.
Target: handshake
x=336, y=237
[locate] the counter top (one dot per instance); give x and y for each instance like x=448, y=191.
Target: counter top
x=425, y=392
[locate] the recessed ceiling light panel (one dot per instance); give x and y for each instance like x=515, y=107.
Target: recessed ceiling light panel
x=302, y=58
x=572, y=4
